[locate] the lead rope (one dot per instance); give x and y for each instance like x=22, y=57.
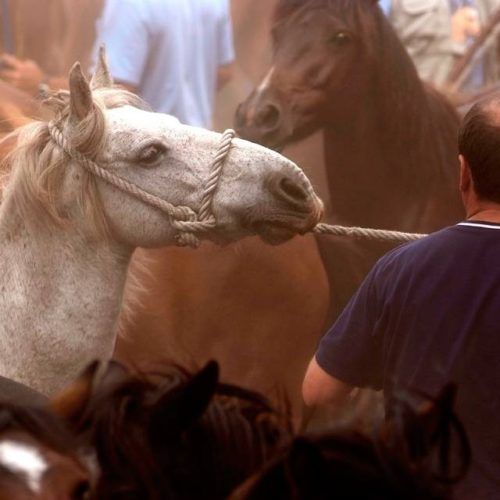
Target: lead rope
x=368, y=234
x=186, y=221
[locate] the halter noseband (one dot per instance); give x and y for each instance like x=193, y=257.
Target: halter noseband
x=185, y=220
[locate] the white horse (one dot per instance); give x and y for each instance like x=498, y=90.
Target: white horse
x=67, y=236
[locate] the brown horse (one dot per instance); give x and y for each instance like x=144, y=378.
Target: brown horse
x=68, y=34
x=259, y=310
x=390, y=143
x=16, y=108
x=37, y=30
x=39, y=456
x=54, y=33
x=419, y=453
x=171, y=434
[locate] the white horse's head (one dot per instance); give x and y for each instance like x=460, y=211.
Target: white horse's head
x=258, y=192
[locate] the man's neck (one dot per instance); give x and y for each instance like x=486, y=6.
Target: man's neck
x=491, y=214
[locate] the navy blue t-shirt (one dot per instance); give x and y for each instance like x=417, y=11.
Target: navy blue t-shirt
x=429, y=313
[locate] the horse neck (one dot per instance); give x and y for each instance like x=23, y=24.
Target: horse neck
x=63, y=301
x=384, y=162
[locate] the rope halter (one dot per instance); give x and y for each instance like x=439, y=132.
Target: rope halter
x=186, y=221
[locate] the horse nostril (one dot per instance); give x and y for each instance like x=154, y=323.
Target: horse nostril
x=269, y=117
x=292, y=190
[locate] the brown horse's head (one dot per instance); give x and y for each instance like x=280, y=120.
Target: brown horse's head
x=323, y=61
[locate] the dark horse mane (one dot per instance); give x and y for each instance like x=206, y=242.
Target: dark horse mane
x=175, y=435
x=399, y=96
x=408, y=457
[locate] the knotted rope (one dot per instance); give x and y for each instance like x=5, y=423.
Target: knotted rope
x=185, y=220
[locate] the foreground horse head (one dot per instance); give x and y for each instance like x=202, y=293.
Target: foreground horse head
x=172, y=435
x=257, y=192
x=408, y=458
x=39, y=457
x=326, y=53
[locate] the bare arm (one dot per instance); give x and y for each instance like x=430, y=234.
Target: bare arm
x=319, y=388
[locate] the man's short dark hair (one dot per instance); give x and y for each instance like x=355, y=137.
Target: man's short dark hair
x=479, y=144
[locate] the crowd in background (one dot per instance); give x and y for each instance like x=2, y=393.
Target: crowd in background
x=176, y=54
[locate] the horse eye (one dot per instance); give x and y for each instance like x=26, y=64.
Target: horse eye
x=152, y=153
x=341, y=38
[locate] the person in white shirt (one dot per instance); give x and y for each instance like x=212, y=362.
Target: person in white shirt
x=173, y=53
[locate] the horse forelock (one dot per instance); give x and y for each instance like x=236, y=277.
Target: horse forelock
x=352, y=10
x=360, y=16
x=37, y=166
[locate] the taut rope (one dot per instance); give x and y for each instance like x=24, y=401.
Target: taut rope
x=368, y=234
x=185, y=220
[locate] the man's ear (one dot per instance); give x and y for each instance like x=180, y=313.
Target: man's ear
x=465, y=175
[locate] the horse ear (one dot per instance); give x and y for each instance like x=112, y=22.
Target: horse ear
x=440, y=426
x=72, y=401
x=102, y=77
x=183, y=405
x=429, y=433
x=81, y=103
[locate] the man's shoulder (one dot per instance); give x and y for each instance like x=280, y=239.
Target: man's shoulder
x=408, y=253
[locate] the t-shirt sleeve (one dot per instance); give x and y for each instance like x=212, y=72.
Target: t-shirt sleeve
x=123, y=30
x=351, y=350
x=225, y=44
